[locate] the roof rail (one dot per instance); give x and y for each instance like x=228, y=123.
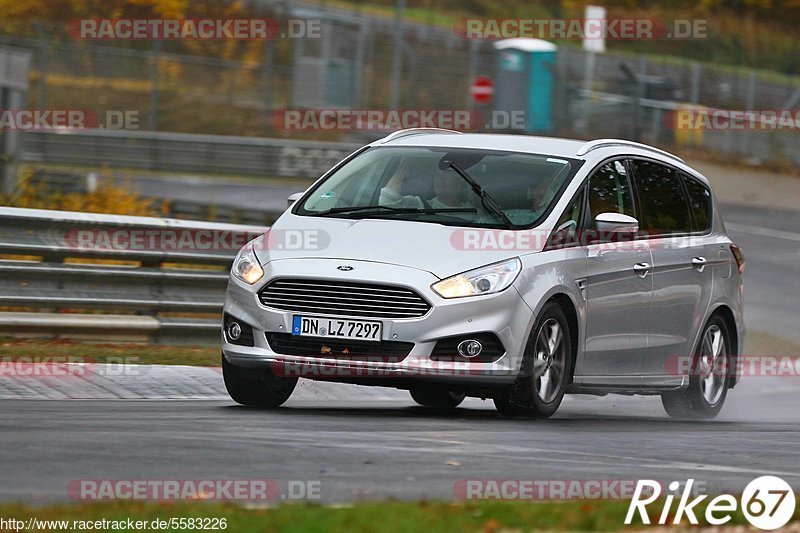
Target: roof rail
x=416, y=131
x=606, y=143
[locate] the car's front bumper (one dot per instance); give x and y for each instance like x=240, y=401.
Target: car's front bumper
x=505, y=314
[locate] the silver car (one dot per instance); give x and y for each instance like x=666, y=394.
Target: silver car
x=508, y=267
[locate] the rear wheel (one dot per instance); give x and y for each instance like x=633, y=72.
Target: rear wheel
x=546, y=368
x=437, y=398
x=256, y=387
x=708, y=379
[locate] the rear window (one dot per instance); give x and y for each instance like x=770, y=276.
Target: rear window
x=664, y=203
x=700, y=204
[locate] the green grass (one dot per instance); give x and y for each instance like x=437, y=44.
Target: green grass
x=60, y=351
x=392, y=517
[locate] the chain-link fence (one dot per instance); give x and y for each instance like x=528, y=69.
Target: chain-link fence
x=351, y=65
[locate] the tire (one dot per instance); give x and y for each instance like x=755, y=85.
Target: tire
x=438, y=398
x=546, y=368
x=257, y=387
x=708, y=379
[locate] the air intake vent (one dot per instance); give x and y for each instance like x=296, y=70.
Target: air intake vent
x=376, y=352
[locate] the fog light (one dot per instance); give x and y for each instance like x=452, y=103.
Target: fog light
x=234, y=331
x=470, y=348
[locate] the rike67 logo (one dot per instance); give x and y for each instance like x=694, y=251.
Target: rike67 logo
x=767, y=502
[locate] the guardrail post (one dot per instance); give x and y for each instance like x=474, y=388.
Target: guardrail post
x=5, y=174
x=267, y=80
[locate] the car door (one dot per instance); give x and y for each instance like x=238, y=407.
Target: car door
x=618, y=286
x=681, y=263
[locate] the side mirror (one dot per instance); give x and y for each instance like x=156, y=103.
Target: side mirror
x=611, y=225
x=293, y=198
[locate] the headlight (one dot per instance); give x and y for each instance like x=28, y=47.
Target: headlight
x=483, y=280
x=246, y=267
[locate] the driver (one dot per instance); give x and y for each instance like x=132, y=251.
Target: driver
x=448, y=189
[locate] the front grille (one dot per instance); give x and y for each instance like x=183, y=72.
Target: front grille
x=382, y=352
x=365, y=300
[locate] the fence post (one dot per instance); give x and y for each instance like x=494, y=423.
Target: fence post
x=359, y=60
x=562, y=93
x=44, y=50
x=397, y=61
x=268, y=55
x=752, y=85
x=5, y=151
x=641, y=86
x=472, y=69
x=696, y=71
x=155, y=55
x=369, y=60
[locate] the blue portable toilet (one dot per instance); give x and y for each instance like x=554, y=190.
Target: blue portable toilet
x=524, y=81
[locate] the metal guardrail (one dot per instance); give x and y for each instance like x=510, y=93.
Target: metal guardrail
x=61, y=182
x=184, y=152
x=114, y=277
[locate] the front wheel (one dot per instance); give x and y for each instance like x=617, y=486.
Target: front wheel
x=256, y=387
x=708, y=378
x=546, y=368
x=438, y=398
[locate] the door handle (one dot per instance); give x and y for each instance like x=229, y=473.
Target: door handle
x=699, y=263
x=641, y=269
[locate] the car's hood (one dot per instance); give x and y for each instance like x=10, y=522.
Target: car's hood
x=440, y=250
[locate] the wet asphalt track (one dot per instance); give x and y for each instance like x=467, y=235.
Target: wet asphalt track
x=378, y=444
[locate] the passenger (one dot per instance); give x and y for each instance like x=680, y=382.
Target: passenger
x=538, y=197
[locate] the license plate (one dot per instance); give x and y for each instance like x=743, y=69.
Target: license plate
x=336, y=328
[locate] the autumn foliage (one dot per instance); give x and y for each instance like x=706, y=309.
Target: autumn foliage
x=107, y=198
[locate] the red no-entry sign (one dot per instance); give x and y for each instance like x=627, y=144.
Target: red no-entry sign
x=481, y=90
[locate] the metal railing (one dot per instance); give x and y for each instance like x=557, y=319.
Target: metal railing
x=114, y=277
x=184, y=152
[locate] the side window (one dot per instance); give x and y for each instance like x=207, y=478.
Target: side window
x=568, y=226
x=664, y=204
x=610, y=190
x=700, y=203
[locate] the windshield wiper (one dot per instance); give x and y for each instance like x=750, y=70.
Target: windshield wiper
x=388, y=210
x=353, y=209
x=488, y=202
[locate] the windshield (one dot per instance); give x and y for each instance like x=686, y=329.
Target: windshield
x=443, y=185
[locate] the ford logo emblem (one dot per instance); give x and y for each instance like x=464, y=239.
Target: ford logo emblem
x=345, y=268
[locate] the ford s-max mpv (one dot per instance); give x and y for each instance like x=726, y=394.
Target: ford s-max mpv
x=509, y=267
